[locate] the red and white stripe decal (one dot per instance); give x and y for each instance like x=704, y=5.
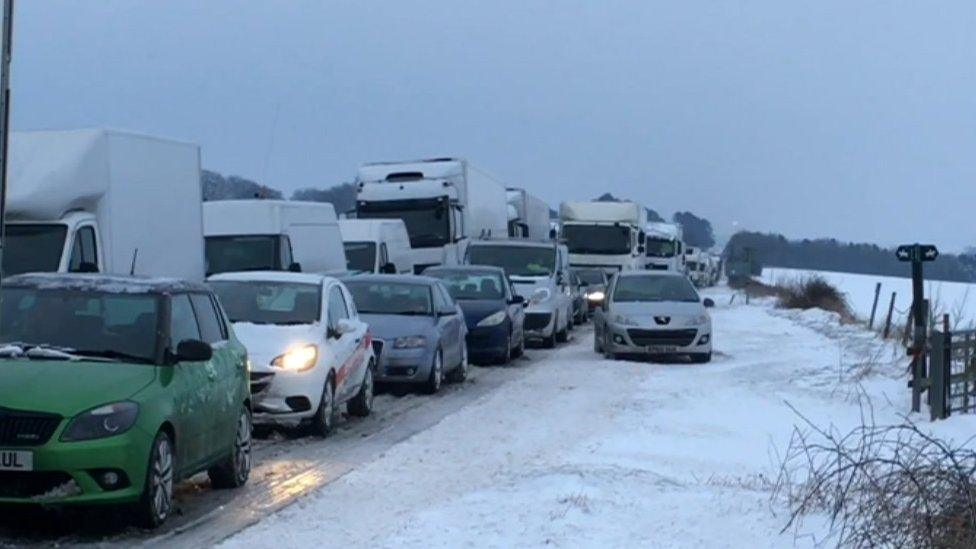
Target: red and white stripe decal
x=357, y=357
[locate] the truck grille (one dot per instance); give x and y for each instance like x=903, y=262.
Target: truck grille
x=19, y=428
x=679, y=338
x=536, y=321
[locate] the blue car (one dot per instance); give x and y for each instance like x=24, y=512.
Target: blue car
x=418, y=330
x=494, y=313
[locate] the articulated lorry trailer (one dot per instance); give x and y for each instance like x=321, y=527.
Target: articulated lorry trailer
x=103, y=201
x=528, y=216
x=609, y=235
x=444, y=202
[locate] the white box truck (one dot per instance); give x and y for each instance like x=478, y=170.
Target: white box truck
x=664, y=247
x=531, y=215
x=107, y=201
x=609, y=235
x=376, y=246
x=444, y=202
x=272, y=235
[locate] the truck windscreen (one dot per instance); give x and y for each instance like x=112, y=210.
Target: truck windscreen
x=597, y=239
x=243, y=253
x=516, y=260
x=659, y=247
x=360, y=256
x=427, y=220
x=33, y=248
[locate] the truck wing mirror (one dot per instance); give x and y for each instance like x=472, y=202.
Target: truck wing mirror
x=295, y=267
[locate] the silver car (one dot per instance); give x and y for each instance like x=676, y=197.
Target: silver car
x=654, y=314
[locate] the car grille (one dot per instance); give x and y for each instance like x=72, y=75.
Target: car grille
x=29, y=484
x=260, y=381
x=658, y=267
x=679, y=338
x=536, y=321
x=19, y=428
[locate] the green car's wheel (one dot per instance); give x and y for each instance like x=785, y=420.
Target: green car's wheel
x=234, y=470
x=157, y=497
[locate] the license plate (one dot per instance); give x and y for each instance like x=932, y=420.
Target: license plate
x=16, y=460
x=662, y=349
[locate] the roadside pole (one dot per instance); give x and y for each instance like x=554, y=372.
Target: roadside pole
x=918, y=254
x=6, y=48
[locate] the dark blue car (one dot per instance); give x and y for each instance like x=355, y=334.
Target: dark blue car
x=493, y=312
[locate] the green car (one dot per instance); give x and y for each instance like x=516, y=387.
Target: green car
x=114, y=388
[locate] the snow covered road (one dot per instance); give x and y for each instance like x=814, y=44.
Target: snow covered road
x=588, y=452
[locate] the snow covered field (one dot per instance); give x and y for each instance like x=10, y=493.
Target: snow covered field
x=950, y=297
x=586, y=452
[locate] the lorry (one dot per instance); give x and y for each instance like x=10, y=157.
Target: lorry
x=444, y=202
x=105, y=201
x=529, y=215
x=376, y=246
x=664, y=247
x=696, y=265
x=609, y=235
x=272, y=235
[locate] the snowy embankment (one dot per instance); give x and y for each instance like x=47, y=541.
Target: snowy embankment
x=955, y=298
x=587, y=452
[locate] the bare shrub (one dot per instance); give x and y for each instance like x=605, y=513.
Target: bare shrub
x=881, y=486
x=814, y=293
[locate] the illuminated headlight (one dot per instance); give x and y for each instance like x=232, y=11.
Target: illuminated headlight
x=298, y=359
x=104, y=421
x=409, y=342
x=595, y=296
x=697, y=321
x=626, y=321
x=540, y=295
x=493, y=319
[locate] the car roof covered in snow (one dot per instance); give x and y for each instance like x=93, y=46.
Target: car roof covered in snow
x=96, y=282
x=270, y=276
x=628, y=274
x=391, y=279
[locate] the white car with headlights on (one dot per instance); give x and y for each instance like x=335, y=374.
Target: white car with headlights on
x=653, y=313
x=309, y=352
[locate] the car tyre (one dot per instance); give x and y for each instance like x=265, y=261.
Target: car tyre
x=550, y=341
x=607, y=353
x=597, y=347
x=362, y=404
x=323, y=422
x=519, y=350
x=436, y=377
x=459, y=374
x=701, y=358
x=234, y=470
x=562, y=336
x=156, y=503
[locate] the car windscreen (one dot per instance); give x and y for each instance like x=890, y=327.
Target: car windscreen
x=265, y=302
x=360, y=256
x=33, y=248
x=516, y=260
x=86, y=323
x=427, y=220
x=390, y=298
x=654, y=288
x=660, y=247
x=226, y=254
x=592, y=276
x=597, y=239
x=471, y=285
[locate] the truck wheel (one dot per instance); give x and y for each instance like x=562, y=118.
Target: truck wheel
x=233, y=470
x=156, y=503
x=362, y=404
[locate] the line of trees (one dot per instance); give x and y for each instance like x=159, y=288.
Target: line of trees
x=828, y=254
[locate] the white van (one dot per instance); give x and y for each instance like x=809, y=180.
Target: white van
x=376, y=246
x=272, y=235
x=106, y=201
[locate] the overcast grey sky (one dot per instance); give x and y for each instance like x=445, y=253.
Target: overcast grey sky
x=855, y=120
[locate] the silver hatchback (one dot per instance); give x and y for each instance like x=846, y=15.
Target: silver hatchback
x=656, y=314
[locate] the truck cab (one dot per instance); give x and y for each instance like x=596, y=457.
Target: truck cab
x=609, y=235
x=67, y=245
x=664, y=247
x=376, y=246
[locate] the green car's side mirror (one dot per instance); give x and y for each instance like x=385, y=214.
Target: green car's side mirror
x=193, y=350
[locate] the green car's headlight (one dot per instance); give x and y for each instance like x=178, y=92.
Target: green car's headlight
x=105, y=421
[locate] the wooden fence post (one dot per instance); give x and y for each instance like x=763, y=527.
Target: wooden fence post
x=874, y=307
x=937, y=404
x=891, y=309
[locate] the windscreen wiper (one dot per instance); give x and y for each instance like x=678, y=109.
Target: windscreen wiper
x=112, y=354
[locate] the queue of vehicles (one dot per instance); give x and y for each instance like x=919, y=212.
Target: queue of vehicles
x=171, y=326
